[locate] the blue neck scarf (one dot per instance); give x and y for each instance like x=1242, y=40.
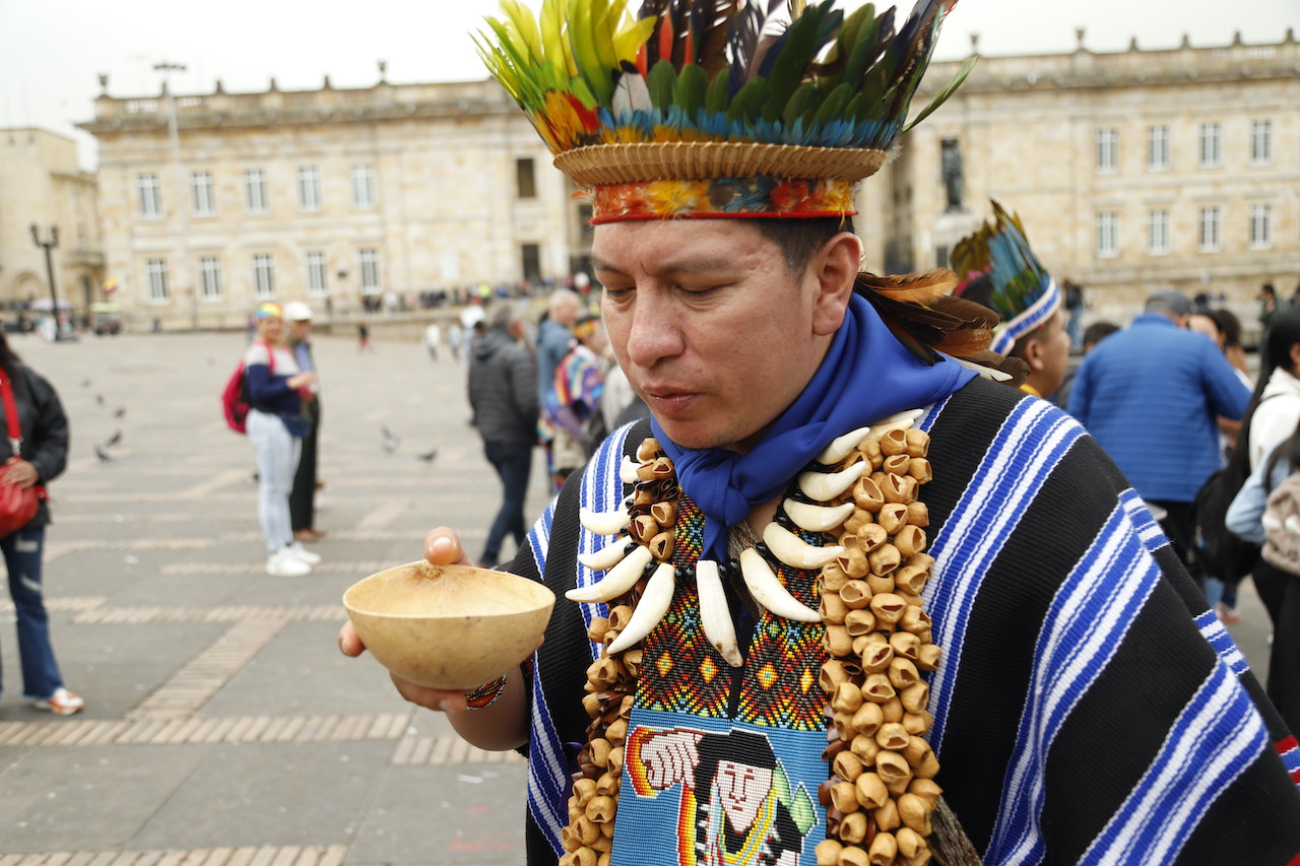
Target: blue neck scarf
x=844, y=394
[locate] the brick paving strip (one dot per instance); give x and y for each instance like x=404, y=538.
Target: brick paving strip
x=267, y=855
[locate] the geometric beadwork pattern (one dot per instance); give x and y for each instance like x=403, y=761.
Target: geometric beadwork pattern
x=682, y=672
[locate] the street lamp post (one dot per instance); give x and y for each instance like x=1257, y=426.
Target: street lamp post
x=182, y=205
x=48, y=245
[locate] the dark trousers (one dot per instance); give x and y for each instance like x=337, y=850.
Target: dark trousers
x=22, y=555
x=302, y=499
x=1180, y=525
x=514, y=465
x=1280, y=592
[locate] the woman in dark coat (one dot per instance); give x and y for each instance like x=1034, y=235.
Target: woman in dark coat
x=43, y=454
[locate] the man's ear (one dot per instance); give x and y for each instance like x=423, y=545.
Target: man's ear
x=1032, y=354
x=833, y=269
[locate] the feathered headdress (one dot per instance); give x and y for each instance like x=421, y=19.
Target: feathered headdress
x=1002, y=273
x=707, y=107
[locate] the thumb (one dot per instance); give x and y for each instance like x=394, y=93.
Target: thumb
x=442, y=547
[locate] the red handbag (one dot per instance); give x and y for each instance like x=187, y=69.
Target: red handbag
x=18, y=505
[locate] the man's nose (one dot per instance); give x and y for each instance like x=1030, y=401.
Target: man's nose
x=654, y=333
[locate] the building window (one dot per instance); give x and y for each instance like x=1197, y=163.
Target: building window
x=1158, y=148
x=525, y=178
x=205, y=198
x=263, y=276
x=210, y=278
x=1107, y=150
x=369, y=263
x=309, y=197
x=1261, y=226
x=1211, y=147
x=531, y=255
x=1261, y=142
x=255, y=196
x=156, y=272
x=1107, y=234
x=1210, y=236
x=316, y=275
x=363, y=186
x=1158, y=232
x=150, y=195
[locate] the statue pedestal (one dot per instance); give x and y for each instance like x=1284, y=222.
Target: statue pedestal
x=948, y=230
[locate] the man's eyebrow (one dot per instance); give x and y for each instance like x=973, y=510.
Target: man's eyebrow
x=702, y=264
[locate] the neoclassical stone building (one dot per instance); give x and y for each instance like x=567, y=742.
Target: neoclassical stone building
x=42, y=185
x=326, y=196
x=1132, y=171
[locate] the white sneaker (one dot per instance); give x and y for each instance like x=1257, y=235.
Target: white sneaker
x=285, y=564
x=303, y=554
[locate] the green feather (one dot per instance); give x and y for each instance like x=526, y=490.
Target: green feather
x=834, y=104
x=799, y=50
x=804, y=101
x=942, y=97
x=715, y=101
x=689, y=91
x=749, y=100
x=660, y=81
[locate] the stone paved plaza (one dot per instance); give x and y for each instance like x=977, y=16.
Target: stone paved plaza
x=222, y=724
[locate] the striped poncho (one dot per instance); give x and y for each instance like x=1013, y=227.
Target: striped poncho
x=1089, y=708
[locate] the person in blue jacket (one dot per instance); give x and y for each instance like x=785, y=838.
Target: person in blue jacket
x=1151, y=396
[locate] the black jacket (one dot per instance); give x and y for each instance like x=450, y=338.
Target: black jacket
x=45, y=431
x=503, y=389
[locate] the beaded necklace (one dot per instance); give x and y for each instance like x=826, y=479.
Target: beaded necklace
x=861, y=492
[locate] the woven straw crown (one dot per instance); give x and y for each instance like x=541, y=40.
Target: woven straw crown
x=718, y=94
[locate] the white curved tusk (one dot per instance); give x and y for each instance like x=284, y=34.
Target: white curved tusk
x=817, y=518
x=715, y=616
x=649, y=611
x=619, y=580
x=604, y=522
x=627, y=471
x=825, y=486
x=608, y=556
x=794, y=551
x=767, y=589
x=841, y=446
x=901, y=421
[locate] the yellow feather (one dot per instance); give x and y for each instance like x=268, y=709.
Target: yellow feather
x=526, y=26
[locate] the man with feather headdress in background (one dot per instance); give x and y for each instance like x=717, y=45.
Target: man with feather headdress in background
x=1002, y=273
x=927, y=604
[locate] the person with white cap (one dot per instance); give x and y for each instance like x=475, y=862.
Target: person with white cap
x=302, y=500
x=276, y=426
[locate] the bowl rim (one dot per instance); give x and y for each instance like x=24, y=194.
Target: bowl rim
x=424, y=564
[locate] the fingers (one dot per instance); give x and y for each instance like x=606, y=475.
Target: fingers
x=349, y=642
x=432, y=699
x=442, y=547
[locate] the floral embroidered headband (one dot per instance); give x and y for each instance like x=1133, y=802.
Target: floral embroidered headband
x=706, y=108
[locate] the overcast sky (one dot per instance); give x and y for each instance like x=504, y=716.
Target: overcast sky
x=52, y=50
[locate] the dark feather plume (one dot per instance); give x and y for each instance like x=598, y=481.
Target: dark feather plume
x=920, y=312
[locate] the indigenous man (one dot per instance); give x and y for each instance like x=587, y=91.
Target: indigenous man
x=1015, y=632
x=1003, y=274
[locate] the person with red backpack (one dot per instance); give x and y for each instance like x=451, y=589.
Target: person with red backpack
x=276, y=424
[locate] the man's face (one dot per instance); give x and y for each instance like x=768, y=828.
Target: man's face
x=300, y=330
x=742, y=789
x=1053, y=356
x=566, y=312
x=712, y=328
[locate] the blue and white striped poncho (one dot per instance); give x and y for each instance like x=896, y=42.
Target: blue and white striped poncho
x=1089, y=708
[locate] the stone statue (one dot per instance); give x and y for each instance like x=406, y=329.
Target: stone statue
x=954, y=182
